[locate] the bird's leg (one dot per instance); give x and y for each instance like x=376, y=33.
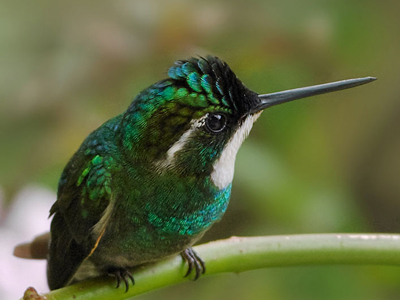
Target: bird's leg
x=193, y=260
x=121, y=274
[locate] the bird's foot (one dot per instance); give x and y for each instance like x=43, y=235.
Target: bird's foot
x=193, y=261
x=122, y=274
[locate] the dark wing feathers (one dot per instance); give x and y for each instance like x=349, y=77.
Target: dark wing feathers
x=65, y=255
x=84, y=193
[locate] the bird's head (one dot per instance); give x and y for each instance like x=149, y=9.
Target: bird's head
x=194, y=122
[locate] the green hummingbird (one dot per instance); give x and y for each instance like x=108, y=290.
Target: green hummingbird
x=151, y=181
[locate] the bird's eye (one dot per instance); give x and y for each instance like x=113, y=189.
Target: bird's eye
x=216, y=123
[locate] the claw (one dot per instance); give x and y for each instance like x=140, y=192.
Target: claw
x=117, y=275
x=193, y=260
x=122, y=274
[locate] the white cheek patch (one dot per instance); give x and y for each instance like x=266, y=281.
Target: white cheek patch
x=224, y=167
x=169, y=161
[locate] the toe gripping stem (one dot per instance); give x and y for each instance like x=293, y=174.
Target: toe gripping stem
x=122, y=275
x=194, y=263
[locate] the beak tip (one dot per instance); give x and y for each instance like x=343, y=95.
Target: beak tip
x=365, y=80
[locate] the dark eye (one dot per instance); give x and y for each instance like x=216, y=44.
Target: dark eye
x=215, y=123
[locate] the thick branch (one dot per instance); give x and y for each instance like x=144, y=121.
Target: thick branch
x=242, y=254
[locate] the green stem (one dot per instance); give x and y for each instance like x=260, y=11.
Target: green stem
x=238, y=254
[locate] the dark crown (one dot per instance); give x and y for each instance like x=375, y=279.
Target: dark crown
x=214, y=78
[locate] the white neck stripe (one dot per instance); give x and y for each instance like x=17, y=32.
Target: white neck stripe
x=224, y=167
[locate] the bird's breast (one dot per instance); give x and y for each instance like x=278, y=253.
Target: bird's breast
x=139, y=234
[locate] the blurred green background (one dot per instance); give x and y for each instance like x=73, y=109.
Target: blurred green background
x=325, y=164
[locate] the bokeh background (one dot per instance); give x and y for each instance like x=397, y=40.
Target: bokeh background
x=320, y=165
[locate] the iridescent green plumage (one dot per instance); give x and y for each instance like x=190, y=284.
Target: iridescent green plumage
x=125, y=198
x=150, y=182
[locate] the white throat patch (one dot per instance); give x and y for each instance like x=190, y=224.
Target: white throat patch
x=224, y=167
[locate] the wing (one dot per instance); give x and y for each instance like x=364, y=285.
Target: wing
x=84, y=193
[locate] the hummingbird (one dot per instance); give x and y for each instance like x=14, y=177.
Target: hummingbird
x=148, y=183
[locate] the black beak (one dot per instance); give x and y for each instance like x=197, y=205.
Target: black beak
x=272, y=99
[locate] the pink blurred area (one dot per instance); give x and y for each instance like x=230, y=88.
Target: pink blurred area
x=26, y=218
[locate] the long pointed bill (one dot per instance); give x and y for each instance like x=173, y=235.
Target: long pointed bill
x=272, y=99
